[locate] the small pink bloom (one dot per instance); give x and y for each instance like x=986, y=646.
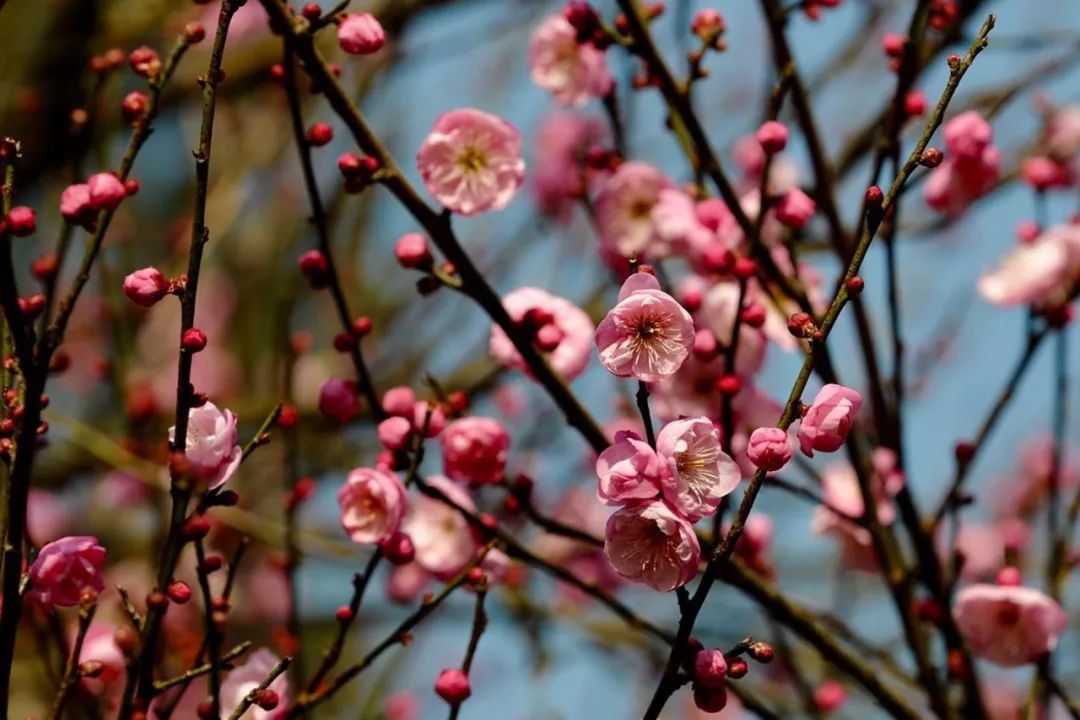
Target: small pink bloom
x=338, y=400
x=826, y=424
x=967, y=135
x=212, y=449
x=394, y=433
x=1061, y=136
x=100, y=644
x=106, y=191
x=571, y=355
x=360, y=34
x=66, y=567
x=773, y=136
x=769, y=448
x=571, y=71
x=471, y=162
x=442, y=537
x=647, y=335
x=75, y=203
x=652, y=544
x=372, y=503
x=1041, y=272
x=475, y=450
x=452, y=685
x=406, y=582
x=433, y=414
x=399, y=401
x=146, y=286
x=710, y=668
x=795, y=209
x=679, y=227
x=411, y=251
x=246, y=677
x=1043, y=173
x=829, y=696
x=697, y=473
x=1009, y=626
x=629, y=470
x=624, y=208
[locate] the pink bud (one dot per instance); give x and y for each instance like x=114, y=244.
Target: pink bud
x=710, y=699
x=795, y=209
x=452, y=686
x=319, y=134
x=106, y=191
x=710, y=668
x=398, y=549
x=773, y=136
x=193, y=340
x=1009, y=576
x=705, y=344
x=399, y=401
x=75, y=203
x=412, y=251
x=146, y=287
x=21, y=221
x=829, y=696
x=361, y=34
x=337, y=400
x=769, y=448
x=178, y=591
x=394, y=433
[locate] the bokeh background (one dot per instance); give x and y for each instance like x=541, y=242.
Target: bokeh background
x=542, y=657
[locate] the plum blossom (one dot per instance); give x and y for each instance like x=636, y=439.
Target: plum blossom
x=1009, y=626
x=372, y=503
x=246, y=677
x=1061, y=135
x=629, y=470
x=652, y=544
x=647, y=335
x=65, y=568
x=471, y=161
x=146, y=286
x=843, y=501
x=570, y=355
x=212, y=448
x=697, y=473
x=75, y=204
x=560, y=175
x=769, y=448
x=624, y=208
x=826, y=424
x=360, y=34
x=442, y=538
x=571, y=71
x=971, y=166
x=475, y=450
x=1040, y=273
x=338, y=400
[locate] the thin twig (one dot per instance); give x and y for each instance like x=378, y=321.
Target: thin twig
x=252, y=696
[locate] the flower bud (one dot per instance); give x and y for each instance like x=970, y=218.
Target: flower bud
x=21, y=221
x=146, y=286
x=412, y=251
x=772, y=136
x=452, y=686
x=178, y=591
x=319, y=134
x=361, y=34
x=193, y=340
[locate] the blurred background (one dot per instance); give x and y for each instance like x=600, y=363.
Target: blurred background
x=546, y=655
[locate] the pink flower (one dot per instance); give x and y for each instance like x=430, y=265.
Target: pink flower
x=559, y=175
x=406, y=582
x=471, y=162
x=1009, y=626
x=629, y=470
x=145, y=287
x=360, y=34
x=338, y=400
x=1043, y=173
x=773, y=136
x=795, y=209
x=373, y=503
x=652, y=544
x=75, y=204
x=394, y=433
x=1061, y=136
x=826, y=424
x=402, y=706
x=244, y=678
x=442, y=537
x=624, y=208
x=769, y=448
x=697, y=473
x=452, y=685
x=212, y=449
x=570, y=355
x=106, y=191
x=399, y=401
x=100, y=644
x=475, y=450
x=967, y=135
x=411, y=251
x=571, y=71
x=647, y=335
x=679, y=227
x=1042, y=272
x=66, y=567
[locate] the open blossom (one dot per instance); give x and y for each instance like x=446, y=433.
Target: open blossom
x=475, y=450
x=826, y=424
x=697, y=473
x=442, y=538
x=647, y=335
x=1042, y=272
x=246, y=677
x=373, y=503
x=971, y=167
x=629, y=470
x=1009, y=626
x=691, y=229
x=572, y=326
x=471, y=162
x=66, y=567
x=769, y=448
x=360, y=34
x=571, y=71
x=624, y=208
x=652, y=544
x=212, y=449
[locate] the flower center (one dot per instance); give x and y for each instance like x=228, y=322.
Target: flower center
x=647, y=329
x=472, y=160
x=1009, y=614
